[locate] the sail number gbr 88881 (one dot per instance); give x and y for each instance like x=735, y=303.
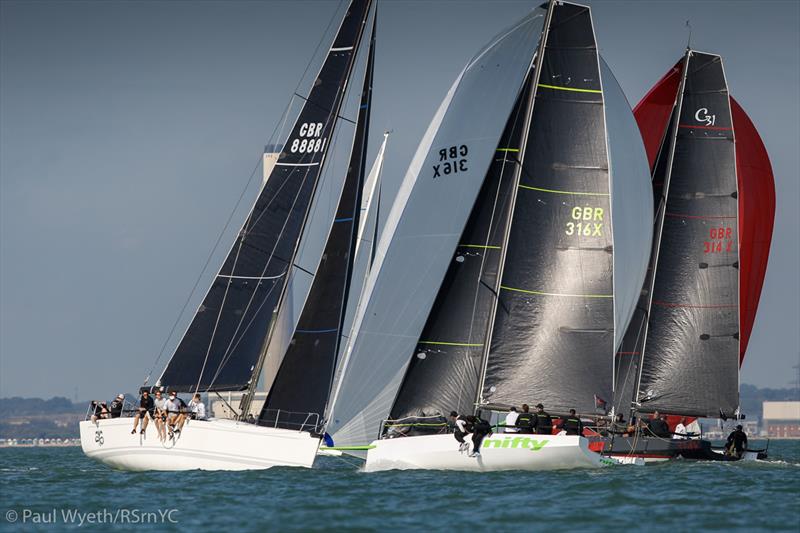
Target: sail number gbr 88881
x=309, y=140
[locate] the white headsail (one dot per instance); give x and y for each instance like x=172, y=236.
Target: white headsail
x=423, y=227
x=632, y=208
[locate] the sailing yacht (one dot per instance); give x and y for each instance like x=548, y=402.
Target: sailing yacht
x=264, y=289
x=511, y=260
x=714, y=197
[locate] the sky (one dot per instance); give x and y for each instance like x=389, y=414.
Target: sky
x=128, y=130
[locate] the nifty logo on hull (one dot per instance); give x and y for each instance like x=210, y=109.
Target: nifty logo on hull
x=525, y=443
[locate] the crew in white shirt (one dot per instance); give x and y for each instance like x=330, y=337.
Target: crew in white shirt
x=511, y=421
x=197, y=408
x=680, y=430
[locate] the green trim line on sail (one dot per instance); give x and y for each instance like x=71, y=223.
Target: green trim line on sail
x=484, y=246
x=468, y=345
x=555, y=191
x=507, y=150
x=541, y=293
x=571, y=89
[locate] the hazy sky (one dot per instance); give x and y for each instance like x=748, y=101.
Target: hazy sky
x=129, y=129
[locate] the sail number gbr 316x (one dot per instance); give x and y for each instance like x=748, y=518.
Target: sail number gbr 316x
x=586, y=222
x=452, y=160
x=309, y=140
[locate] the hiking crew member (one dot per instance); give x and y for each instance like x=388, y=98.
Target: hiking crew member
x=542, y=423
x=737, y=442
x=99, y=410
x=463, y=427
x=481, y=428
x=115, y=409
x=144, y=411
x=161, y=415
x=525, y=420
x=175, y=413
x=572, y=424
x=511, y=421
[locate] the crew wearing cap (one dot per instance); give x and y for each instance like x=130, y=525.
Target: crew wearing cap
x=115, y=409
x=542, y=422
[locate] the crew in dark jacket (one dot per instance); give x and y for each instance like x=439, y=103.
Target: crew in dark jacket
x=116, y=406
x=542, y=423
x=737, y=442
x=572, y=424
x=480, y=428
x=658, y=427
x=525, y=420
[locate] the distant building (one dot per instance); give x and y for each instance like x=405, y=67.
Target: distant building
x=782, y=419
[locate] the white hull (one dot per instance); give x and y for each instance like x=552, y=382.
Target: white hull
x=498, y=452
x=202, y=445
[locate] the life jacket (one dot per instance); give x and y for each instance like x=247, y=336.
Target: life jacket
x=524, y=420
x=544, y=424
x=572, y=426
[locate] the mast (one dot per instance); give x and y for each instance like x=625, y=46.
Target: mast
x=536, y=64
x=303, y=382
x=659, y=227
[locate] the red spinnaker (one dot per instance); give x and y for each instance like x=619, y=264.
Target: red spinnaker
x=652, y=113
x=756, y=218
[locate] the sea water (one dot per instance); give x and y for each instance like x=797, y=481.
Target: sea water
x=56, y=489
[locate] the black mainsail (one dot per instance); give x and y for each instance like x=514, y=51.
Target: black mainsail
x=553, y=334
x=229, y=331
x=303, y=382
x=690, y=362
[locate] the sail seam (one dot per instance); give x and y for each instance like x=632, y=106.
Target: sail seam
x=571, y=89
x=555, y=191
x=542, y=293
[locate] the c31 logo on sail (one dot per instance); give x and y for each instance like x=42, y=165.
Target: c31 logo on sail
x=309, y=141
x=701, y=115
x=98, y=437
x=452, y=160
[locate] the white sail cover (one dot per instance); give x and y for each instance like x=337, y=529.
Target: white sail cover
x=423, y=227
x=632, y=202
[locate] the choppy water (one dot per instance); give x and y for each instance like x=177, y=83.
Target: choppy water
x=335, y=495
